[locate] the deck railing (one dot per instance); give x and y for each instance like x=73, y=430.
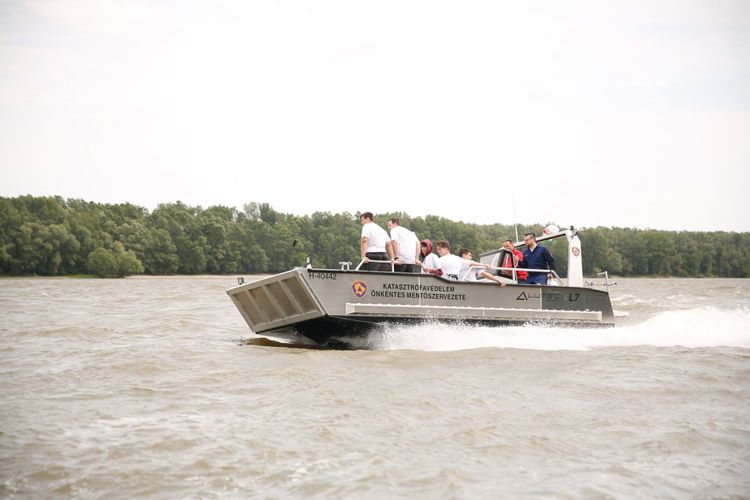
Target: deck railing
x=513, y=270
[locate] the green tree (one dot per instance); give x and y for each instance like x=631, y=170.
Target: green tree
x=114, y=263
x=159, y=253
x=102, y=263
x=127, y=263
x=51, y=236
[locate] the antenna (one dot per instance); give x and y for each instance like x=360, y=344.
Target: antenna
x=515, y=224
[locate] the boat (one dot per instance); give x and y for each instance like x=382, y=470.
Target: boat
x=339, y=305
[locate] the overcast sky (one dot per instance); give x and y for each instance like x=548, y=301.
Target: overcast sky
x=627, y=113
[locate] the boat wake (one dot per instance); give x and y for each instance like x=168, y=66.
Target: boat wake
x=693, y=328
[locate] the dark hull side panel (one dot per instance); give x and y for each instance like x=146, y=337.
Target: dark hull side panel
x=323, y=330
x=327, y=329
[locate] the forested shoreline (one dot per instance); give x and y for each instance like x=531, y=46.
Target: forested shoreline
x=51, y=236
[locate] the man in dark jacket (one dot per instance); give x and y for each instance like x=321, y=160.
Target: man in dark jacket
x=537, y=257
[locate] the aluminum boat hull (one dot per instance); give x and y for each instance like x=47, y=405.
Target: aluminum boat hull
x=324, y=304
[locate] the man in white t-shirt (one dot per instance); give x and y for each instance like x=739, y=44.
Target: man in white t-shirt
x=375, y=245
x=474, y=273
x=452, y=266
x=405, y=246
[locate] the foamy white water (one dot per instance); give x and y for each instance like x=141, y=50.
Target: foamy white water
x=155, y=388
x=702, y=327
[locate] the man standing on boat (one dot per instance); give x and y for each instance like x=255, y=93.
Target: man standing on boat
x=512, y=258
x=405, y=246
x=537, y=257
x=375, y=245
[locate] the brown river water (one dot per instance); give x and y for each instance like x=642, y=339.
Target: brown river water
x=156, y=388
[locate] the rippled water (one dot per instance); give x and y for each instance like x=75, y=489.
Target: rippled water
x=156, y=388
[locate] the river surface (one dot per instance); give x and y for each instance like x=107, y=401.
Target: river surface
x=155, y=388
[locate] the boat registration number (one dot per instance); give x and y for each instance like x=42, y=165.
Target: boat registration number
x=323, y=276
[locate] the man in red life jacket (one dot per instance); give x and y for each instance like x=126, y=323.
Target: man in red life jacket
x=515, y=261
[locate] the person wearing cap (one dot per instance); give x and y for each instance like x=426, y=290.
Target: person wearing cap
x=405, y=246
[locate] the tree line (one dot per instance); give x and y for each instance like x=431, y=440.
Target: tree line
x=51, y=236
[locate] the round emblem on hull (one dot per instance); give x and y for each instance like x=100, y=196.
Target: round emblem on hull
x=359, y=288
